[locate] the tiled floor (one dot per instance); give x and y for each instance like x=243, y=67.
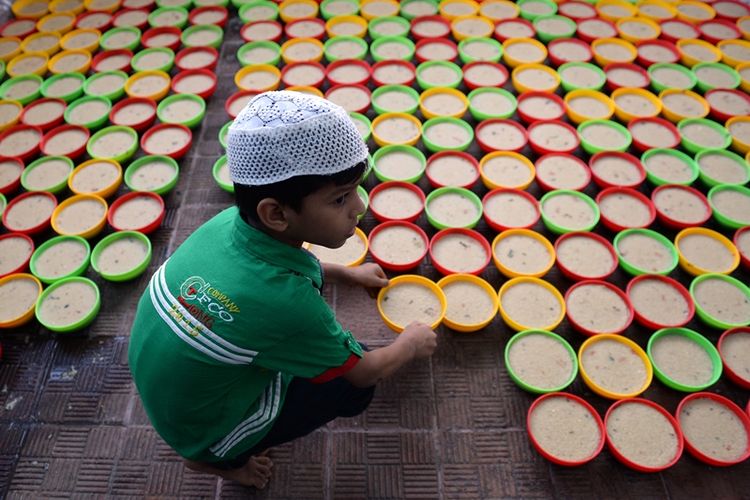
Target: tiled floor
x=71, y=425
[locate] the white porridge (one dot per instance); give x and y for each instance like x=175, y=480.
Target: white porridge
x=61, y=259
x=553, y=137
x=540, y=361
x=393, y=74
x=506, y=171
x=706, y=252
x=94, y=177
x=642, y=434
x=197, y=59
x=14, y=251
x=589, y=107
x=398, y=245
x=605, y=137
x=513, y=29
x=724, y=169
x=654, y=135
x=597, y=308
x=16, y=297
x=569, y=211
x=136, y=213
x=511, y=210
x=540, y=108
x=636, y=105
x=468, y=303
x=88, y=111
x=19, y=142
x=523, y=254
x=683, y=105
x=443, y=104
x=122, y=255
x=613, y=52
x=148, y=85
x=453, y=209
x=740, y=130
x=437, y=51
x=79, y=216
x=451, y=170
x=302, y=74
x=113, y=62
x=261, y=31
x=672, y=78
x=625, y=210
x=733, y=204
x=480, y=50
x=459, y=253
x=396, y=130
x=586, y=257
x=616, y=170
x=112, y=144
x=596, y=28
x=10, y=171
x=48, y=174
x=581, y=76
x=565, y=429
x=536, y=79
x=723, y=300
x=63, y=86
x=645, y=253
x=669, y=167
x=729, y=103
x=397, y=202
x=194, y=84
x=625, y=77
x=571, y=51
x=525, y=52
x=407, y=302
x=703, y=135
x=348, y=74
x=735, y=350
x=614, y=366
x=531, y=305
x=682, y=360
x=103, y=85
x=659, y=302
x=399, y=165
x=28, y=213
x=562, y=172
x=166, y=141
x=485, y=75
x=152, y=175
x=67, y=304
x=447, y=135
x=501, y=136
x=438, y=75
x=714, y=429
x=714, y=77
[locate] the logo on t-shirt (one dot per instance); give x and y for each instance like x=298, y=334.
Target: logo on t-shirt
x=206, y=302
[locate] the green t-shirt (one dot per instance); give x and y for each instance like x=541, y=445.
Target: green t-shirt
x=222, y=328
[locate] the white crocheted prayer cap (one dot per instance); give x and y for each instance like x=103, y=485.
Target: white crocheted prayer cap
x=280, y=135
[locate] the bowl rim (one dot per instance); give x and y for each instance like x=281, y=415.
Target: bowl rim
x=494, y=224
x=650, y=233
x=633, y=160
x=695, y=337
x=557, y=229
x=298, y=21
x=488, y=149
x=424, y=85
x=530, y=119
x=642, y=146
x=215, y=28
x=593, y=67
x=88, y=232
x=703, y=314
x=85, y=320
x=648, y=323
x=529, y=233
x=519, y=380
x=382, y=186
x=744, y=259
x=26, y=316
x=694, y=269
x=637, y=350
x=34, y=229
x=614, y=226
x=447, y=119
x=52, y=242
x=104, y=54
x=194, y=72
x=114, y=128
x=136, y=164
x=56, y=188
x=18, y=127
x=548, y=187
x=186, y=51
x=513, y=62
x=710, y=181
x=351, y=62
x=272, y=22
x=177, y=154
x=27, y=260
x=146, y=229
x=724, y=219
x=413, y=279
x=404, y=148
x=475, y=235
x=159, y=30
x=472, y=85
x=480, y=282
x=595, y=282
x=588, y=145
x=669, y=220
x=658, y=181
x=537, y=281
x=363, y=47
x=361, y=257
x=397, y=62
x=590, y=235
x=731, y=373
x=389, y=265
x=54, y=121
x=467, y=193
x=180, y=97
x=131, y=273
x=518, y=20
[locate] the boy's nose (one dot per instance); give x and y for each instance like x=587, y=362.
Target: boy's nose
x=359, y=205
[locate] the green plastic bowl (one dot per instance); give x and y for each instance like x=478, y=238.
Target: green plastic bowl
x=632, y=269
x=710, y=181
x=273, y=58
x=120, y=158
x=470, y=195
x=106, y=40
x=380, y=22
x=558, y=229
x=94, y=121
x=131, y=273
x=695, y=338
x=530, y=16
x=519, y=379
x=55, y=188
x=47, y=280
x=546, y=36
x=362, y=121
x=568, y=86
x=137, y=61
x=7, y=90
x=47, y=90
x=721, y=217
x=244, y=9
x=113, y=93
x=435, y=148
x=485, y=114
x=377, y=44
x=223, y=132
x=659, y=86
x=83, y=321
x=424, y=84
x=658, y=181
x=132, y=172
x=218, y=165
x=704, y=315
x=153, y=18
x=192, y=122
x=591, y=148
x=216, y=31
x=365, y=197
x=705, y=86
x=3, y=203
x=404, y=12
x=696, y=148
x=467, y=58
x=379, y=91
x=331, y=42
x=2, y=70
x=402, y=148
x=327, y=14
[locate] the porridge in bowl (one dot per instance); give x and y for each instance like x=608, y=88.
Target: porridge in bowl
x=540, y=360
x=459, y=253
x=597, y=308
x=61, y=258
x=614, y=366
x=660, y=302
x=565, y=429
x=530, y=304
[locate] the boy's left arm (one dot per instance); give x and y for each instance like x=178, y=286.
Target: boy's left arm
x=368, y=275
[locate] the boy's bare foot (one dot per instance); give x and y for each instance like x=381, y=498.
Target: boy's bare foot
x=256, y=472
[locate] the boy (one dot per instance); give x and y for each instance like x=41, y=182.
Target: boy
x=233, y=348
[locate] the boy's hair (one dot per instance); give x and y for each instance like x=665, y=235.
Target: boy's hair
x=290, y=192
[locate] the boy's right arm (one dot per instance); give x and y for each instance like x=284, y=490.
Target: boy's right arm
x=416, y=341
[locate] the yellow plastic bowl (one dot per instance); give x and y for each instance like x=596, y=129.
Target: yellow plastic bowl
x=737, y=144
x=370, y=16
x=13, y=44
x=612, y=10
x=156, y=96
x=484, y=6
x=455, y=324
x=40, y=61
x=591, y=341
x=708, y=11
x=445, y=91
x=692, y=268
x=728, y=59
x=287, y=18
x=361, y=22
x=689, y=60
x=459, y=35
x=60, y=23
x=30, y=9
x=742, y=24
x=526, y=279
x=656, y=30
x=257, y=68
x=83, y=66
x=521, y=88
x=360, y=258
x=490, y=184
x=89, y=232
x=668, y=9
x=380, y=118
x=415, y=280
x=510, y=273
x=17, y=114
x=744, y=82
x=451, y=9
x=50, y=48
x=577, y=117
x=602, y=60
x=513, y=62
x=294, y=41
x=675, y=117
x=104, y=192
x=26, y=316
x=625, y=116
x=61, y=6
x=306, y=89
x=68, y=42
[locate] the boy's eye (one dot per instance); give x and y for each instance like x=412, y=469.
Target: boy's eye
x=341, y=199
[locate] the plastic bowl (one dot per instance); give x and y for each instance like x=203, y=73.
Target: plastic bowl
x=411, y=279
x=410, y=141
x=26, y=315
x=22, y=155
x=694, y=269
x=445, y=268
x=515, y=325
x=378, y=189
x=219, y=171
x=471, y=280
x=48, y=87
x=527, y=234
x=428, y=112
x=704, y=85
x=510, y=147
x=551, y=100
x=514, y=27
x=112, y=60
x=574, y=275
x=332, y=54
x=401, y=265
x=467, y=195
x=729, y=58
x=14, y=168
x=261, y=30
x=128, y=274
x=521, y=86
x=739, y=237
x=631, y=267
x=474, y=81
x=584, y=329
x=167, y=32
x=173, y=151
x=695, y=338
x=118, y=156
x=616, y=226
x=498, y=224
x=735, y=158
x=722, y=114
x=704, y=314
x=513, y=61
x=554, y=227
x=684, y=293
x=519, y=378
x=453, y=122
x=77, y=271
x=22, y=263
x=602, y=391
x=140, y=121
x=41, y=226
x=727, y=220
x=360, y=66
x=309, y=26
x=558, y=57
x=731, y=367
x=150, y=226
x=641, y=141
x=659, y=85
x=189, y=58
x=739, y=144
x=398, y=148
x=81, y=322
x=191, y=122
x=685, y=159
x=133, y=177
x=694, y=147
x=461, y=177
x=88, y=232
x=626, y=116
x=425, y=67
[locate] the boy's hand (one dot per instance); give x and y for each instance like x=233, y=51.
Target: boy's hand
x=421, y=337
x=369, y=275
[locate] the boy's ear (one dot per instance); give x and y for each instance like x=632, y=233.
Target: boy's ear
x=271, y=213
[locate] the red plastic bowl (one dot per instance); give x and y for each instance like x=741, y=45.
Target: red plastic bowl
x=488, y=148
x=361, y=88
x=673, y=37
x=178, y=59
x=559, y=59
x=744, y=258
x=390, y=265
x=101, y=56
x=176, y=154
x=303, y=64
x=206, y=93
x=393, y=184
x=24, y=156
x=347, y=62
x=39, y=227
x=52, y=120
x=278, y=30
x=471, y=85
x=516, y=20
x=320, y=24
x=635, y=465
x=11, y=186
x=602, y=183
x=237, y=95
x=466, y=232
x=580, y=401
x=612, y=85
x=148, y=228
x=590, y=37
x=30, y=27
x=730, y=25
x=25, y=264
x=218, y=9
x=673, y=223
x=446, y=154
x=417, y=36
x=568, y=273
x=735, y=377
x=548, y=187
x=394, y=62
x=744, y=418
x=104, y=19
x=541, y=149
x=496, y=225
x=527, y=118
x=64, y=128
x=426, y=42
x=150, y=34
x=143, y=124
x=118, y=23
x=642, y=146
x=564, y=9
x=582, y=329
x=720, y=115
x=646, y=62
x=674, y=284
x=614, y=226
